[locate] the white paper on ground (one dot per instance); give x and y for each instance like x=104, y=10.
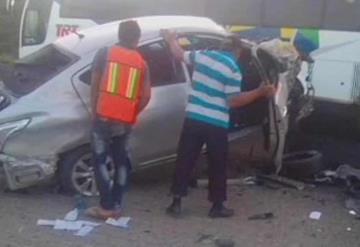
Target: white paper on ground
x=85, y=230
x=89, y=223
x=42, y=222
x=67, y=225
x=315, y=215
x=72, y=215
x=121, y=222
x=352, y=212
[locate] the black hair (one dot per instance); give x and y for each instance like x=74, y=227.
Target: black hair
x=129, y=32
x=232, y=44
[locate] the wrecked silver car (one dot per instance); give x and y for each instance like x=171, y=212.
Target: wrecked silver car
x=45, y=118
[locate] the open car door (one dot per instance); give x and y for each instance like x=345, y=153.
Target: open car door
x=263, y=125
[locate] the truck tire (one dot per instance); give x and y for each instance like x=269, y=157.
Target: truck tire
x=303, y=164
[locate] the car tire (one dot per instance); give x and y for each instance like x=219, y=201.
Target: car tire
x=303, y=164
x=66, y=168
x=78, y=161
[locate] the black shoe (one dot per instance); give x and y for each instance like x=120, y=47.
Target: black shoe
x=220, y=211
x=174, y=209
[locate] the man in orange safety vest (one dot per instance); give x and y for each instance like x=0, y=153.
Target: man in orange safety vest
x=120, y=90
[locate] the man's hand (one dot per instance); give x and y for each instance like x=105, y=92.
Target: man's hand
x=171, y=39
x=169, y=36
x=267, y=91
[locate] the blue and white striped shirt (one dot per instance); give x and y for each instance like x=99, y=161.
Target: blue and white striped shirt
x=216, y=77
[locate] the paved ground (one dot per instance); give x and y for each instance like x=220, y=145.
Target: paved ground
x=147, y=199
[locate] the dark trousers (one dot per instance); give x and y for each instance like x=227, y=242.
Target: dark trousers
x=109, y=144
x=194, y=135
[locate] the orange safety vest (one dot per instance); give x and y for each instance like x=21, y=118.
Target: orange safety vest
x=122, y=85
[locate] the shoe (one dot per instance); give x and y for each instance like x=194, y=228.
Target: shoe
x=220, y=211
x=174, y=209
x=102, y=214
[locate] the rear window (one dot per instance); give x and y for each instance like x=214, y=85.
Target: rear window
x=32, y=71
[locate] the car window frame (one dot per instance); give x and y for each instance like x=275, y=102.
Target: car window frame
x=186, y=71
x=204, y=35
x=182, y=64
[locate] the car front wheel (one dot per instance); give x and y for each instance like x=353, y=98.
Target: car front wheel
x=76, y=170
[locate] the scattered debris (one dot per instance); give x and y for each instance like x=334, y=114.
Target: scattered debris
x=67, y=225
x=352, y=212
x=315, y=215
x=70, y=223
x=224, y=243
x=206, y=239
x=84, y=231
x=252, y=180
x=72, y=215
x=353, y=205
x=122, y=222
x=264, y=216
x=284, y=181
x=348, y=229
x=42, y=222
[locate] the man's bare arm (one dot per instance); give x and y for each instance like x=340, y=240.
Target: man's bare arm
x=175, y=48
x=146, y=95
x=95, y=85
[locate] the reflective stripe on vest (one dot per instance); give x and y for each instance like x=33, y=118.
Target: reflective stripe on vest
x=122, y=85
x=123, y=80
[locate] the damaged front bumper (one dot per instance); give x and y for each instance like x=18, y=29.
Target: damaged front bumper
x=24, y=172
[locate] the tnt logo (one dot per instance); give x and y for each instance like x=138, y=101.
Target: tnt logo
x=63, y=30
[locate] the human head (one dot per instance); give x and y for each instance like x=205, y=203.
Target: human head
x=129, y=34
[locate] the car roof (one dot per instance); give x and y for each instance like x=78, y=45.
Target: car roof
x=94, y=38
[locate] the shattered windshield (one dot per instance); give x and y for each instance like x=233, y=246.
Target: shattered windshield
x=34, y=70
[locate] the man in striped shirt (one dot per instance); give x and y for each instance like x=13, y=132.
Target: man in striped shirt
x=215, y=89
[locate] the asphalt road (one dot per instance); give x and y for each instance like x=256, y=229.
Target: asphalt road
x=145, y=203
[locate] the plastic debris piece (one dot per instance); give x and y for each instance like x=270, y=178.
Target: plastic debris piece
x=72, y=215
x=206, y=238
x=353, y=205
x=348, y=229
x=352, y=212
x=67, y=225
x=122, y=222
x=250, y=180
x=42, y=222
x=85, y=230
x=264, y=216
x=315, y=215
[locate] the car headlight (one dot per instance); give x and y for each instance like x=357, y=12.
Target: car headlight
x=10, y=128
